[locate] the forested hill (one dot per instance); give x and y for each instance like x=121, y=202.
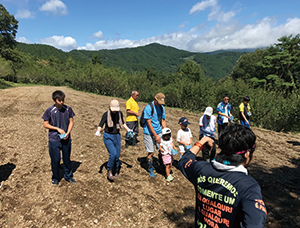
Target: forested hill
x=153, y=56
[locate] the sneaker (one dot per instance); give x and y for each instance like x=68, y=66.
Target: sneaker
x=170, y=178
x=55, y=182
x=72, y=181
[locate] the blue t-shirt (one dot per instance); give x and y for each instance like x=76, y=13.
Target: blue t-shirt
x=58, y=118
x=158, y=114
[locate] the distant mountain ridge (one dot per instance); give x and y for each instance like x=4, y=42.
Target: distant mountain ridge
x=217, y=64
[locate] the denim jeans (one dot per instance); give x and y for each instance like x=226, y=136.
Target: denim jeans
x=113, y=146
x=243, y=122
x=54, y=152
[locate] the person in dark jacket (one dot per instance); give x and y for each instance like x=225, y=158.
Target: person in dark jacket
x=225, y=195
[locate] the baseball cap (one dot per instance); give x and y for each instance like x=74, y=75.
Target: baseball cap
x=184, y=121
x=166, y=131
x=160, y=97
x=114, y=105
x=208, y=111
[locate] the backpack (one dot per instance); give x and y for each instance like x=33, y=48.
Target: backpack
x=142, y=119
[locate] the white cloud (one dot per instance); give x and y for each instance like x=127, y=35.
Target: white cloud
x=216, y=13
x=55, y=7
x=23, y=40
x=98, y=35
x=183, y=24
x=174, y=40
x=65, y=43
x=219, y=15
x=263, y=33
x=200, y=6
x=24, y=14
x=112, y=44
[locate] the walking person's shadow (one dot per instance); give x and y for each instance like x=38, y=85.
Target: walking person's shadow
x=157, y=165
x=74, y=164
x=5, y=171
x=104, y=165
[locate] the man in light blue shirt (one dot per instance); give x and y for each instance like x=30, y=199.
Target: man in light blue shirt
x=154, y=115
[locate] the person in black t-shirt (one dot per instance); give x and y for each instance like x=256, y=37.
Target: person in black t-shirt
x=225, y=195
x=113, y=120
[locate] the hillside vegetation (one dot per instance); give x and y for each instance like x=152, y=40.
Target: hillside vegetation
x=153, y=56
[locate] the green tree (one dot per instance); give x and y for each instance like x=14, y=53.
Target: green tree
x=8, y=31
x=247, y=66
x=192, y=69
x=5, y=68
x=280, y=61
x=96, y=59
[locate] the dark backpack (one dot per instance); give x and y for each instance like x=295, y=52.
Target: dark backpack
x=142, y=119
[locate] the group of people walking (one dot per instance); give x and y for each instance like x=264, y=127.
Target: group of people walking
x=225, y=195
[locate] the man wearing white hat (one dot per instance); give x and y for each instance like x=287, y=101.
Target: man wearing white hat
x=208, y=129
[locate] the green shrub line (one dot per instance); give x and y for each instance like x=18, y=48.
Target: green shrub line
x=271, y=110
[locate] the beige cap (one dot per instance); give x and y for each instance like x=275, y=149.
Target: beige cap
x=160, y=97
x=114, y=105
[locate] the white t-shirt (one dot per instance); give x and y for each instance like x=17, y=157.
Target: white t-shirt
x=167, y=146
x=184, y=136
x=208, y=124
x=225, y=119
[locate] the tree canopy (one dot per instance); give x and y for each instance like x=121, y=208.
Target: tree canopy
x=8, y=32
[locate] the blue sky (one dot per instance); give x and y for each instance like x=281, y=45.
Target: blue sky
x=197, y=26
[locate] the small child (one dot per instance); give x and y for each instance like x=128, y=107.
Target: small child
x=165, y=148
x=184, y=136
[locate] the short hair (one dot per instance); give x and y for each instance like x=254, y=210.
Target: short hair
x=58, y=94
x=246, y=98
x=133, y=92
x=235, y=140
x=226, y=95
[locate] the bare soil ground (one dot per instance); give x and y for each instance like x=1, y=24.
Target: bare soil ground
x=28, y=198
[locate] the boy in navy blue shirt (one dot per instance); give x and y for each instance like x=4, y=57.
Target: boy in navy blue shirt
x=58, y=118
x=226, y=197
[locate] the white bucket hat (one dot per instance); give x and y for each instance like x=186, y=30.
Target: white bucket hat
x=166, y=131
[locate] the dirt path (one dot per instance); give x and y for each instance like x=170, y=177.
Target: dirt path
x=28, y=198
